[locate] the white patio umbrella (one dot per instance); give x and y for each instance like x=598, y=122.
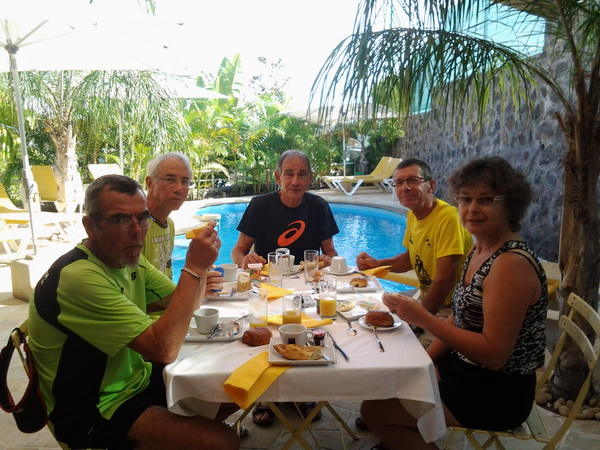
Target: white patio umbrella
x=61, y=35
x=184, y=87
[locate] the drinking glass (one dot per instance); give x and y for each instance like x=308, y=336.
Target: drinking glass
x=275, y=272
x=291, y=309
x=328, y=298
x=258, y=304
x=311, y=264
x=284, y=261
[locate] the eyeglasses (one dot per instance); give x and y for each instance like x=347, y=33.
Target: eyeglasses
x=185, y=182
x=463, y=200
x=411, y=182
x=125, y=223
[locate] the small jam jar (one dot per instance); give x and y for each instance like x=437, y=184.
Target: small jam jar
x=318, y=335
x=243, y=282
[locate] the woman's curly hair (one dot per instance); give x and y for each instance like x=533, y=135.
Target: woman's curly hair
x=496, y=173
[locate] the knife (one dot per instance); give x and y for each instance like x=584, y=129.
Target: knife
x=339, y=349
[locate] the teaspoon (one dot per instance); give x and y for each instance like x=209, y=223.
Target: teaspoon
x=351, y=331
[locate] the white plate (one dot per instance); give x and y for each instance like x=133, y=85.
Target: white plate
x=397, y=323
x=193, y=335
x=360, y=307
x=276, y=359
x=225, y=294
x=296, y=269
x=349, y=271
x=373, y=285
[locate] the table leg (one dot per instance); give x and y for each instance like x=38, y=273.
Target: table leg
x=296, y=432
x=340, y=420
x=237, y=426
x=305, y=425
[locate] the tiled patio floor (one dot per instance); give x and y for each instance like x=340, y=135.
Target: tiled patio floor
x=583, y=434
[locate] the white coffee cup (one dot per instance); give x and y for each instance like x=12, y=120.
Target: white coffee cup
x=229, y=271
x=338, y=265
x=294, y=333
x=206, y=319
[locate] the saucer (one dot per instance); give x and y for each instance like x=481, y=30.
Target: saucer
x=350, y=269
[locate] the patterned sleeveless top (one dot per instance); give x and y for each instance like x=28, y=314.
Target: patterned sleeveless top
x=467, y=306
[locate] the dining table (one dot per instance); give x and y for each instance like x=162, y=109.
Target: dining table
x=402, y=370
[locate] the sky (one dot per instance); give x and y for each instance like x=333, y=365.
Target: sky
x=302, y=33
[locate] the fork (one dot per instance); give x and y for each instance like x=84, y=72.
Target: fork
x=381, y=349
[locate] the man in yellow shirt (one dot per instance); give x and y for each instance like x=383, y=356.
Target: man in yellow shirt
x=436, y=243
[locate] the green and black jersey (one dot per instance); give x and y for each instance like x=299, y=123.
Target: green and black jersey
x=81, y=317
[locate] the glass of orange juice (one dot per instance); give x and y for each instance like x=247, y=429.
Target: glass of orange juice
x=328, y=298
x=291, y=309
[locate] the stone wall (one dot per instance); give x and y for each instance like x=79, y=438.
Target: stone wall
x=533, y=143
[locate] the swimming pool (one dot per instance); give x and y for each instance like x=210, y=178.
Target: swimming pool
x=361, y=227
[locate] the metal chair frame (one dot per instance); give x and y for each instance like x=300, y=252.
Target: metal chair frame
x=533, y=427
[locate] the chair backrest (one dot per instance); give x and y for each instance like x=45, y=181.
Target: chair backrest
x=6, y=204
x=46, y=182
x=388, y=170
x=579, y=311
x=97, y=170
x=380, y=166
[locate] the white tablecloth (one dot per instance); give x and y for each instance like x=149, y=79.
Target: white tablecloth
x=405, y=371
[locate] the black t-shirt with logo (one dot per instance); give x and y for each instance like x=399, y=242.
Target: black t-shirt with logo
x=274, y=225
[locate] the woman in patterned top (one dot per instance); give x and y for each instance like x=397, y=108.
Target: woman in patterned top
x=487, y=352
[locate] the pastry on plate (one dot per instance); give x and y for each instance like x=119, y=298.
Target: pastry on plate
x=297, y=352
x=359, y=282
x=379, y=318
x=257, y=336
x=345, y=306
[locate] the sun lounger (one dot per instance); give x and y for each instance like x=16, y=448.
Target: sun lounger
x=374, y=173
x=48, y=188
x=349, y=185
x=6, y=204
x=15, y=234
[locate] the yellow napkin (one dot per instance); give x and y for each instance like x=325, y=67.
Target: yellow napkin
x=379, y=272
x=274, y=292
x=251, y=379
x=265, y=270
x=307, y=321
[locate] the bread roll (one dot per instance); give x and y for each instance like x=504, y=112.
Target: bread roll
x=359, y=282
x=379, y=318
x=257, y=336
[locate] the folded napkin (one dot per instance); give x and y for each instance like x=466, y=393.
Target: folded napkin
x=379, y=272
x=307, y=321
x=251, y=379
x=265, y=270
x=274, y=292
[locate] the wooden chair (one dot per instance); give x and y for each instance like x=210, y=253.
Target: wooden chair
x=534, y=428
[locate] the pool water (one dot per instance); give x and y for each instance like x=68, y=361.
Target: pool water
x=379, y=231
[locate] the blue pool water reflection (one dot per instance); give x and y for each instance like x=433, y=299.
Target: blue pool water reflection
x=376, y=230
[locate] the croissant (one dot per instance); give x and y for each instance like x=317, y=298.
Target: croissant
x=297, y=352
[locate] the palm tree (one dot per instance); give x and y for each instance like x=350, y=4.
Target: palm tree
x=69, y=103
x=438, y=56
